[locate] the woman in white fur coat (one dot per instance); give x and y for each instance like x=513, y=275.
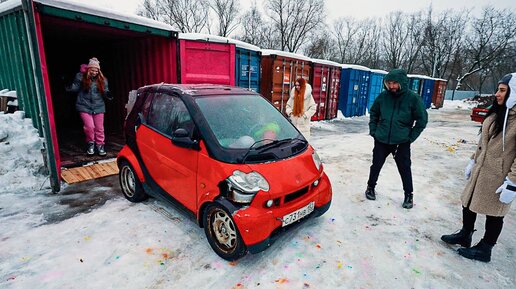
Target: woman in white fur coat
x=301, y=106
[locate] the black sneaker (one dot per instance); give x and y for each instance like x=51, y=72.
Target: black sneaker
x=101, y=150
x=91, y=148
x=370, y=193
x=408, y=202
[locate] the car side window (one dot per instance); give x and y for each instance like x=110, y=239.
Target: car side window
x=168, y=113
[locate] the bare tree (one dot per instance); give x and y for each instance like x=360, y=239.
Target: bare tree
x=149, y=9
x=357, y=42
x=403, y=39
x=226, y=11
x=320, y=46
x=344, y=31
x=295, y=20
x=443, y=38
x=185, y=15
x=258, y=32
x=489, y=38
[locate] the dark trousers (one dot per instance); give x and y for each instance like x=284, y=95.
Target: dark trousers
x=493, y=227
x=401, y=154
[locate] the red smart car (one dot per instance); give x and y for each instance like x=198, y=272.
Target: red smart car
x=228, y=157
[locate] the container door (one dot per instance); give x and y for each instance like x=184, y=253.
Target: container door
x=333, y=95
x=319, y=91
x=207, y=62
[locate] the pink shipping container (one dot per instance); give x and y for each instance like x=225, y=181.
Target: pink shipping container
x=205, y=59
x=325, y=88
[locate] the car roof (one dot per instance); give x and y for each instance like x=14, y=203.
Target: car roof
x=198, y=89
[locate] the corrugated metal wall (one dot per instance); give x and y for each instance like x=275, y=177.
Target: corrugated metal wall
x=16, y=70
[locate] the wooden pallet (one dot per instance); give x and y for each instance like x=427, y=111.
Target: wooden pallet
x=89, y=172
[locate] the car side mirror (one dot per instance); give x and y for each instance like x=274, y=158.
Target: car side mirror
x=181, y=138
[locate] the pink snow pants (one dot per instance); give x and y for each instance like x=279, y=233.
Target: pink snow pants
x=93, y=127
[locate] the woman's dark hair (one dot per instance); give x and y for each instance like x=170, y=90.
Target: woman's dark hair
x=499, y=110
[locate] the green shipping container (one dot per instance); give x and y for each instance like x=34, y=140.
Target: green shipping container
x=42, y=44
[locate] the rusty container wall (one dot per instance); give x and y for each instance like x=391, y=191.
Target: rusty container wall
x=279, y=72
x=322, y=86
x=205, y=61
x=333, y=96
x=439, y=92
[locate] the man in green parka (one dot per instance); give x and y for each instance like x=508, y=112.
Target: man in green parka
x=397, y=118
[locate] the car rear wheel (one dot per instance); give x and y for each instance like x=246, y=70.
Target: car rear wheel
x=222, y=233
x=130, y=184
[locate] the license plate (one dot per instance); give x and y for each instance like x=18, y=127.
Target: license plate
x=482, y=113
x=296, y=215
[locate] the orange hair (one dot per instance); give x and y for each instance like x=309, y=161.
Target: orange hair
x=299, y=98
x=86, y=81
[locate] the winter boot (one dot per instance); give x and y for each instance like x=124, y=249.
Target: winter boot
x=370, y=193
x=480, y=252
x=101, y=150
x=91, y=148
x=408, y=202
x=462, y=238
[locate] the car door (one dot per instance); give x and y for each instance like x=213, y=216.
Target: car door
x=172, y=167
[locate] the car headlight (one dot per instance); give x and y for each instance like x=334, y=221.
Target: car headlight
x=243, y=187
x=317, y=160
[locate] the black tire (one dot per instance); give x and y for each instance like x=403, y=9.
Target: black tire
x=130, y=184
x=222, y=233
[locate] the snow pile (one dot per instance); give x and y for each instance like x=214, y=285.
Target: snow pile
x=459, y=104
x=21, y=160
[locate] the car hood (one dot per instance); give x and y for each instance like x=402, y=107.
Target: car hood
x=289, y=175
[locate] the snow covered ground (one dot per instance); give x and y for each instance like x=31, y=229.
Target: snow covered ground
x=89, y=236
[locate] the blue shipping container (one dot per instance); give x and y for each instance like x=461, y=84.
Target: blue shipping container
x=375, y=86
x=247, y=70
x=354, y=83
x=428, y=91
x=415, y=84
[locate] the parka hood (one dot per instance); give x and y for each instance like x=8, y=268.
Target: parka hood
x=400, y=76
x=510, y=80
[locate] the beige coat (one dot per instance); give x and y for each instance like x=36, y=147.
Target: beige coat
x=492, y=165
x=303, y=122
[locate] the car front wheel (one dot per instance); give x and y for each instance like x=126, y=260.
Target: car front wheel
x=222, y=233
x=130, y=184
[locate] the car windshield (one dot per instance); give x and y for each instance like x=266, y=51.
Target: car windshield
x=242, y=121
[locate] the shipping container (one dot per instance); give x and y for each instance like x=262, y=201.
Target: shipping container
x=206, y=58
x=354, y=83
x=376, y=86
x=325, y=87
x=439, y=92
x=247, y=70
x=333, y=97
x=427, y=90
x=42, y=45
x=280, y=70
x=415, y=82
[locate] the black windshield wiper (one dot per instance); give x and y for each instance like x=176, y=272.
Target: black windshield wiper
x=264, y=147
x=273, y=144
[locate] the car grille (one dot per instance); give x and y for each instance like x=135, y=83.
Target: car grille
x=297, y=194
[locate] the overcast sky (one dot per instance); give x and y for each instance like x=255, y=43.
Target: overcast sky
x=356, y=8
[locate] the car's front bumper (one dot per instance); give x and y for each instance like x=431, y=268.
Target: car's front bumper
x=260, y=226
